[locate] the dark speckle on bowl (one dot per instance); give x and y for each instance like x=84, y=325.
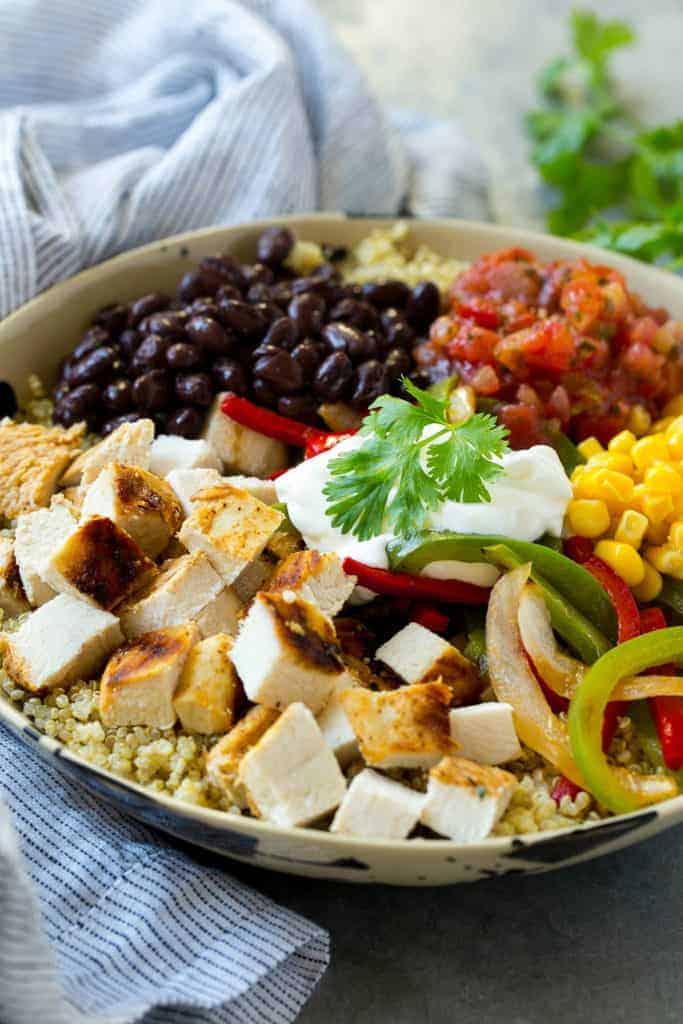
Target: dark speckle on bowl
x=184, y=251
x=8, y=399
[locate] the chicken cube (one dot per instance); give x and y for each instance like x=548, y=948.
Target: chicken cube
x=184, y=588
x=209, y=690
x=185, y=483
x=291, y=776
x=404, y=728
x=241, y=449
x=12, y=594
x=32, y=459
x=465, y=799
x=138, y=502
x=224, y=758
x=335, y=724
x=316, y=577
x=221, y=615
x=286, y=652
x=254, y=578
x=264, y=490
x=38, y=535
x=231, y=526
x=99, y=563
x=170, y=452
x=59, y=643
x=375, y=807
x=485, y=733
x=141, y=678
x=419, y=656
x=130, y=444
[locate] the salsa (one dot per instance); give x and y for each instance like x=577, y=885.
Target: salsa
x=554, y=346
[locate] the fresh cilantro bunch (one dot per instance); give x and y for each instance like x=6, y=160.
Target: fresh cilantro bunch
x=398, y=475
x=617, y=185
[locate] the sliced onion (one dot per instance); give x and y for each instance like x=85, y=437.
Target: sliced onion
x=514, y=683
x=563, y=673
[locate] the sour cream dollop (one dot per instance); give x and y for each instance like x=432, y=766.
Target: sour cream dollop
x=528, y=499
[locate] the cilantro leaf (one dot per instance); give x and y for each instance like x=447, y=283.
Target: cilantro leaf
x=411, y=460
x=594, y=40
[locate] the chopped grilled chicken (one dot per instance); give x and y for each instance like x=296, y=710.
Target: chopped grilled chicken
x=38, y=535
x=209, y=690
x=241, y=449
x=223, y=760
x=139, y=502
x=378, y=808
x=231, y=526
x=465, y=800
x=335, y=724
x=485, y=733
x=140, y=679
x=13, y=599
x=264, y=490
x=254, y=578
x=291, y=776
x=188, y=482
x=286, y=652
x=172, y=452
x=99, y=563
x=316, y=577
x=32, y=459
x=129, y=444
x=419, y=656
x=63, y=641
x=404, y=728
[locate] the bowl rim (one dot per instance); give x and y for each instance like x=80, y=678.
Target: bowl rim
x=500, y=236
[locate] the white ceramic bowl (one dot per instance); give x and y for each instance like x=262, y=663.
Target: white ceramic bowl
x=33, y=340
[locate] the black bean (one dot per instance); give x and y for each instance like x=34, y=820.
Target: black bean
x=206, y=306
x=318, y=282
x=8, y=399
x=113, y=318
x=169, y=324
x=194, y=388
x=92, y=339
x=263, y=350
x=269, y=311
x=151, y=354
x=111, y=425
x=58, y=393
x=386, y=293
x=83, y=399
x=307, y=311
x=185, y=422
x=152, y=390
x=424, y=305
x=274, y=245
x=145, y=306
x=280, y=371
x=191, y=286
x=118, y=367
x=309, y=355
x=281, y=333
x=399, y=332
x=258, y=293
x=129, y=340
x=226, y=291
x=241, y=318
x=341, y=337
x=355, y=312
x=258, y=273
x=160, y=420
x=333, y=375
x=397, y=363
x=298, y=407
x=334, y=254
x=264, y=394
x=210, y=335
x=229, y=375
x=181, y=356
x=371, y=382
x=218, y=271
x=281, y=293
x=93, y=366
x=118, y=396
x=64, y=414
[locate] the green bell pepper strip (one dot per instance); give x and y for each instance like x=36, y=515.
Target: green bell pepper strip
x=475, y=649
x=609, y=785
x=574, y=628
x=286, y=526
x=671, y=594
x=641, y=716
x=571, y=580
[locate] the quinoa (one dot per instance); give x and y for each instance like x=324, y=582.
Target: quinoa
x=390, y=253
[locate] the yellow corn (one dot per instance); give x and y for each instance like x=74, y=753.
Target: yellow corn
x=666, y=560
x=663, y=479
x=620, y=462
x=658, y=507
x=624, y=559
x=622, y=442
x=639, y=420
x=588, y=517
x=615, y=489
x=657, y=533
x=651, y=584
x=674, y=407
x=649, y=450
x=674, y=439
x=676, y=535
x=631, y=528
x=591, y=446
x=660, y=426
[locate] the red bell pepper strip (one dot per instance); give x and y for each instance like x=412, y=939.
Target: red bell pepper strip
x=281, y=428
x=277, y=473
x=402, y=584
x=667, y=712
x=628, y=617
x=564, y=787
x=579, y=549
x=429, y=616
x=323, y=442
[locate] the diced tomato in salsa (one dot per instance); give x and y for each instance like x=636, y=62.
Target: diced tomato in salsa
x=561, y=344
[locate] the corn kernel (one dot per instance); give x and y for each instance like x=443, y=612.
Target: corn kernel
x=615, y=489
x=658, y=507
x=631, y=528
x=666, y=560
x=622, y=442
x=659, y=426
x=674, y=407
x=676, y=535
x=591, y=446
x=663, y=479
x=624, y=559
x=588, y=517
x=649, y=450
x=657, y=533
x=620, y=462
x=651, y=585
x=639, y=420
x=674, y=439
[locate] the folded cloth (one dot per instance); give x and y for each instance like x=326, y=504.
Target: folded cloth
x=137, y=929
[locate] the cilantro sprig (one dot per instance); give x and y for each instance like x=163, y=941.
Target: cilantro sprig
x=616, y=184
x=413, y=459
